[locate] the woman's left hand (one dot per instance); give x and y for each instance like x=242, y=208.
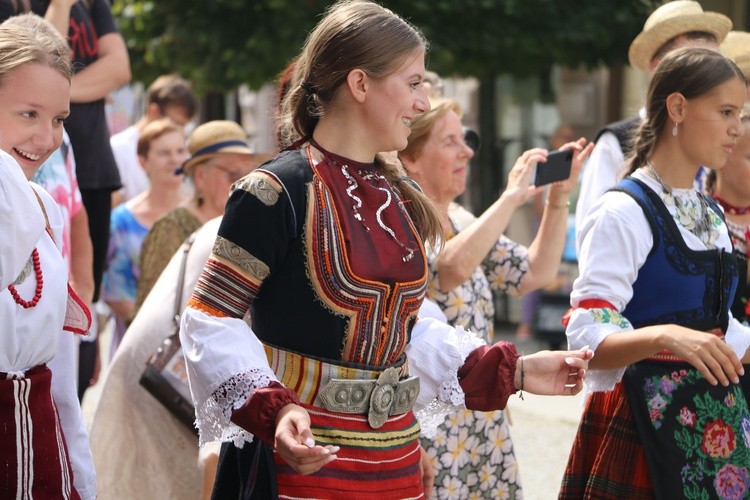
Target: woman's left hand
x=581, y=153
x=553, y=373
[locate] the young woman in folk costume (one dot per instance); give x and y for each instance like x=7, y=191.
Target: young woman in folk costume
x=323, y=244
x=666, y=417
x=44, y=452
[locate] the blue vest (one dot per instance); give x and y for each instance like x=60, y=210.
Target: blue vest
x=692, y=288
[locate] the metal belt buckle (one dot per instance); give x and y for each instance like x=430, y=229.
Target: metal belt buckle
x=377, y=398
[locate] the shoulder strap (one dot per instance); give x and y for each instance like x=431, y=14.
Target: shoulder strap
x=181, y=280
x=44, y=212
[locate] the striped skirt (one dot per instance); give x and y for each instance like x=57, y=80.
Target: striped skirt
x=381, y=463
x=372, y=463
x=33, y=456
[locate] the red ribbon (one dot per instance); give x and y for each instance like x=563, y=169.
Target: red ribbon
x=586, y=304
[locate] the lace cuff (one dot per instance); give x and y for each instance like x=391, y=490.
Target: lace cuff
x=214, y=415
x=449, y=394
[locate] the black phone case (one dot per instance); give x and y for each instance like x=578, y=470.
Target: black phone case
x=556, y=168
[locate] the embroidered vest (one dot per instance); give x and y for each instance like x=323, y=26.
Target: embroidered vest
x=692, y=288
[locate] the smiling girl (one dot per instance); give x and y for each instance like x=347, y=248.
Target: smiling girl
x=324, y=246
x=44, y=450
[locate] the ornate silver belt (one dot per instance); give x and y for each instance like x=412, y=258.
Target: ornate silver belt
x=377, y=398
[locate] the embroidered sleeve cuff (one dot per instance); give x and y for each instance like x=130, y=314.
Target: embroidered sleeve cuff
x=487, y=376
x=258, y=414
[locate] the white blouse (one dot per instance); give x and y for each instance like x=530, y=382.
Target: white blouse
x=614, y=240
x=30, y=337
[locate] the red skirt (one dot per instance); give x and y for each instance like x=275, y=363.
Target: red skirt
x=607, y=461
x=33, y=457
x=381, y=463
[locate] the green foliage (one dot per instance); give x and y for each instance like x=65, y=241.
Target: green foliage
x=219, y=44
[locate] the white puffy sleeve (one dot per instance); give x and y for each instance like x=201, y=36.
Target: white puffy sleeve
x=435, y=353
x=614, y=241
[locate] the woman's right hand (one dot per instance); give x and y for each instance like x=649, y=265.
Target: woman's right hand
x=294, y=441
x=708, y=353
x=520, y=187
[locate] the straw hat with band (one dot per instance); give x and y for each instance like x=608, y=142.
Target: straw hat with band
x=736, y=46
x=213, y=138
x=670, y=20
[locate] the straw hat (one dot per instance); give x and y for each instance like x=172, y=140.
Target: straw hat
x=213, y=138
x=670, y=20
x=736, y=46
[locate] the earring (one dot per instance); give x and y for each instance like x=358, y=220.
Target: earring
x=674, y=129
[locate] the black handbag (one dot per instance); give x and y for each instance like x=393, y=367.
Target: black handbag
x=165, y=376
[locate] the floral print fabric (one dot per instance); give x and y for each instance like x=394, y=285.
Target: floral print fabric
x=472, y=453
x=701, y=432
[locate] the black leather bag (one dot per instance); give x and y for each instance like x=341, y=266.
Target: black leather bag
x=165, y=376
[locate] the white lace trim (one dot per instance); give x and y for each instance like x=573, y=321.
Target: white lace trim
x=432, y=415
x=213, y=416
x=450, y=395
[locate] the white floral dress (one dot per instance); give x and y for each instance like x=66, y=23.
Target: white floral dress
x=472, y=453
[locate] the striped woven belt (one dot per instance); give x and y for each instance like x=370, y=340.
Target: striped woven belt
x=343, y=389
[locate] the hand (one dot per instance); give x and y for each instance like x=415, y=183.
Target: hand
x=428, y=473
x=520, y=187
x=708, y=353
x=553, y=373
x=561, y=189
x=295, y=444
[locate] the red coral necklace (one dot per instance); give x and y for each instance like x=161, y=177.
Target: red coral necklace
x=731, y=209
x=26, y=304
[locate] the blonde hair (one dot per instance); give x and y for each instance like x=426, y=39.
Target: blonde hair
x=355, y=34
x=422, y=125
x=28, y=38
x=153, y=131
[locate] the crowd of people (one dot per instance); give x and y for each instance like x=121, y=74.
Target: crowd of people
x=334, y=302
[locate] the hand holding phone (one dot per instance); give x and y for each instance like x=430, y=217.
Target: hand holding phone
x=556, y=168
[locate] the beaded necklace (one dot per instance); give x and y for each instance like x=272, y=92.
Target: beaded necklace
x=34, y=263
x=731, y=209
x=26, y=304
x=696, y=221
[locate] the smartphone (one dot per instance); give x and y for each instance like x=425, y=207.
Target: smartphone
x=556, y=168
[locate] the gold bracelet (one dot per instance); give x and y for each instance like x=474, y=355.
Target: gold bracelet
x=561, y=205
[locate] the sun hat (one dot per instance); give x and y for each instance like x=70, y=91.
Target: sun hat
x=670, y=20
x=213, y=138
x=736, y=46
